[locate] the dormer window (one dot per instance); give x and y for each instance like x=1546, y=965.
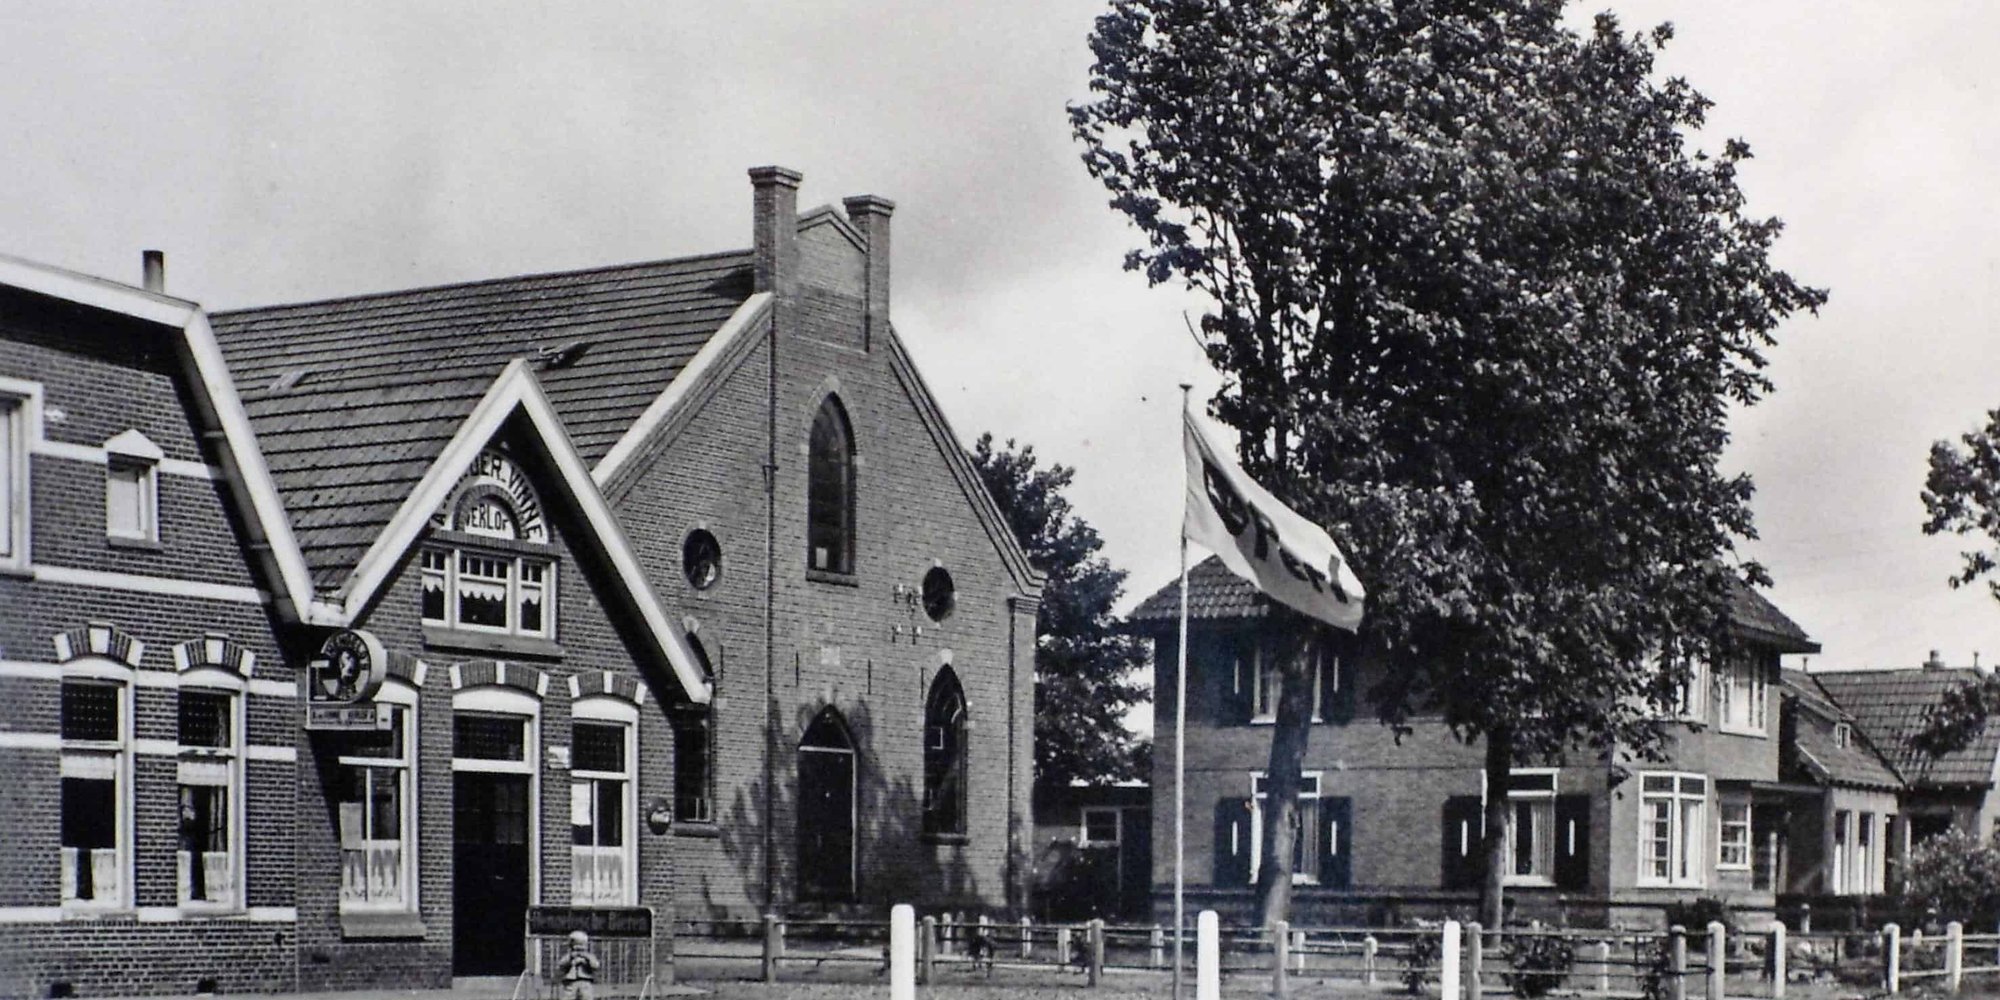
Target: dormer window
x=132, y=488
x=1843, y=734
x=488, y=567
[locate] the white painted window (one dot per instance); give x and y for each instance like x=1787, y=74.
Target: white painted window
x=603, y=833
x=1531, y=827
x=1743, y=702
x=1692, y=702
x=1672, y=828
x=1867, y=855
x=1733, y=846
x=1843, y=852
x=1266, y=682
x=1101, y=827
x=488, y=592
x=14, y=491
x=96, y=790
x=209, y=860
x=1306, y=829
x=378, y=827
x=1843, y=734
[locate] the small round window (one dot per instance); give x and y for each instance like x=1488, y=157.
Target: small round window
x=701, y=559
x=940, y=596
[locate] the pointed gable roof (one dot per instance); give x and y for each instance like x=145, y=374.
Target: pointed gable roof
x=1858, y=763
x=1892, y=706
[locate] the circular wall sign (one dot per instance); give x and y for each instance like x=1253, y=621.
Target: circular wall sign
x=351, y=667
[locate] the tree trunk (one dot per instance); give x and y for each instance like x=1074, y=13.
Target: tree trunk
x=1290, y=637
x=1499, y=764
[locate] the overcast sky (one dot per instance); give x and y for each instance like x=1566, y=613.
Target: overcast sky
x=281, y=152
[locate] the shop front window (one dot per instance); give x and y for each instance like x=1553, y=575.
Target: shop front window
x=600, y=811
x=377, y=830
x=207, y=859
x=95, y=794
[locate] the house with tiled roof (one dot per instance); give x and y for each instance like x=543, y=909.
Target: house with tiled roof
x=831, y=626
x=1952, y=790
x=1398, y=822
x=1844, y=834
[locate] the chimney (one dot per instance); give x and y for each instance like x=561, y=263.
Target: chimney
x=870, y=214
x=153, y=264
x=775, y=221
x=1936, y=662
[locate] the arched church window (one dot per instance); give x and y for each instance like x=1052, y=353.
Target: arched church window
x=830, y=491
x=944, y=756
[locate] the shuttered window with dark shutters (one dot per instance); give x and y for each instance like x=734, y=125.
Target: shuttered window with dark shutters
x=1573, y=842
x=1462, y=859
x=1232, y=843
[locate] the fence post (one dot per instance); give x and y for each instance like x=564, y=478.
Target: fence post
x=927, y=950
x=902, y=952
x=1448, y=959
x=986, y=934
x=1475, y=956
x=1604, y=968
x=1299, y=952
x=1718, y=959
x=770, y=947
x=1027, y=937
x=944, y=933
x=1208, y=957
x=1892, y=958
x=1158, y=941
x=1677, y=962
x=1805, y=918
x=1281, y=958
x=1954, y=955
x=1096, y=932
x=1779, y=958
x=1369, y=946
x=1062, y=947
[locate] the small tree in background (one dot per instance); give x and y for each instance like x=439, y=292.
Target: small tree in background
x=1962, y=497
x=1084, y=663
x=1957, y=875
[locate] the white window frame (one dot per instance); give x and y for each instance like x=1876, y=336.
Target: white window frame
x=1841, y=861
x=1733, y=818
x=94, y=758
x=1843, y=734
x=1686, y=834
x=131, y=452
x=397, y=692
x=20, y=429
x=516, y=567
x=1543, y=803
x=1745, y=678
x=216, y=766
x=1084, y=839
x=607, y=710
x=1310, y=783
x=1692, y=704
x=1258, y=668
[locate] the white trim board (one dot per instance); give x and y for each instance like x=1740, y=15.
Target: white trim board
x=158, y=585
x=663, y=406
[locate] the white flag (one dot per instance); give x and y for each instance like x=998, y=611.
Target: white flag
x=1261, y=540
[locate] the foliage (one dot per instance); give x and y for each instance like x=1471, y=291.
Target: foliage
x=1540, y=963
x=1084, y=663
x=1481, y=312
x=1656, y=977
x=1957, y=875
x=1695, y=915
x=1962, y=497
x=1421, y=962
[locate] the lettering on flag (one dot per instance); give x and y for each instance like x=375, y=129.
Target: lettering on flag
x=1261, y=540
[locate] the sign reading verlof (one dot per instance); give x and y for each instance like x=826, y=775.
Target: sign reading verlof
x=1263, y=541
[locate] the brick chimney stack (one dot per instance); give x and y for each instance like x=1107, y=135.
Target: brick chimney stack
x=153, y=266
x=1936, y=662
x=870, y=214
x=775, y=221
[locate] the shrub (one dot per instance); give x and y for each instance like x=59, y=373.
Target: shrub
x=1420, y=963
x=1957, y=875
x=1541, y=962
x=1696, y=915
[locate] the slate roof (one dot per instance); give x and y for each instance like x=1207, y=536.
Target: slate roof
x=1216, y=593
x=1857, y=763
x=379, y=383
x=1891, y=706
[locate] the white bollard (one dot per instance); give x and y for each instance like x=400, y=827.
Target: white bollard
x=1448, y=959
x=1778, y=959
x=902, y=952
x=1208, y=957
x=1892, y=958
x=1718, y=959
x=1954, y=956
x=1027, y=937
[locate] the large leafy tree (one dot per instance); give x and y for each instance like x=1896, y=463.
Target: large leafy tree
x=1084, y=660
x=1962, y=497
x=1482, y=311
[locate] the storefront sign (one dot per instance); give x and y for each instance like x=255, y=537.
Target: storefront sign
x=350, y=668
x=596, y=921
x=346, y=718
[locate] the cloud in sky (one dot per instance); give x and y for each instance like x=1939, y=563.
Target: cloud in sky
x=288, y=152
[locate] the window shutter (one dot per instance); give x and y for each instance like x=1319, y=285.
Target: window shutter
x=1573, y=842
x=1238, y=679
x=1232, y=843
x=1462, y=861
x=1336, y=689
x=1336, y=845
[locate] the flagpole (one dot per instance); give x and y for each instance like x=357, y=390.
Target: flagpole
x=1180, y=737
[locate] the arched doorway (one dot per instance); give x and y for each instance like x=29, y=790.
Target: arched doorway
x=826, y=809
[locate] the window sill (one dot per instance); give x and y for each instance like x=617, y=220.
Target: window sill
x=701, y=831
x=131, y=544
x=440, y=637
x=948, y=839
x=1528, y=882
x=75, y=911
x=23, y=570
x=829, y=576
x=1744, y=731
x=384, y=925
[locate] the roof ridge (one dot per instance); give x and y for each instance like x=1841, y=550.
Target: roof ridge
x=229, y=314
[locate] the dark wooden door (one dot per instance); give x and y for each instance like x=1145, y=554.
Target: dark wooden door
x=826, y=823
x=1135, y=865
x=489, y=873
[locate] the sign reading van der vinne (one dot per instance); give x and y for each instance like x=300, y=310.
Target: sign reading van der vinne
x=349, y=669
x=494, y=499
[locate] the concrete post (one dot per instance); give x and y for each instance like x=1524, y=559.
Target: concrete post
x=1603, y=950
x=927, y=950
x=1892, y=958
x=1299, y=952
x=1369, y=948
x=1779, y=959
x=1027, y=937
x=1475, y=956
x=1805, y=918
x=1096, y=932
x=771, y=953
x=1208, y=957
x=1954, y=956
x=1718, y=959
x=1677, y=962
x=944, y=933
x=1158, y=943
x=1448, y=959
x=902, y=952
x=1063, y=947
x=1281, y=957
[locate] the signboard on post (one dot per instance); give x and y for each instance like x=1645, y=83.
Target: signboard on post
x=596, y=921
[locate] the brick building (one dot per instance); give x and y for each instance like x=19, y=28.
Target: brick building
x=682, y=550
x=1397, y=826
